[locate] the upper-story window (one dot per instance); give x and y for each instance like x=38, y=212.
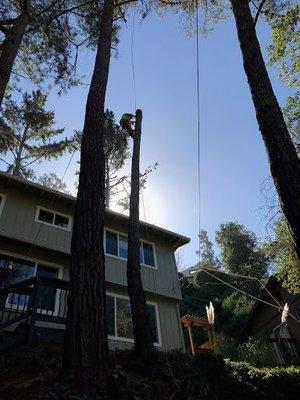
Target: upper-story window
x=116, y=244
x=2, y=201
x=53, y=218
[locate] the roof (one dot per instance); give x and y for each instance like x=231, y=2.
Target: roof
x=176, y=239
x=269, y=287
x=192, y=320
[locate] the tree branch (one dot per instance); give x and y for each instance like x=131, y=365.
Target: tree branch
x=258, y=11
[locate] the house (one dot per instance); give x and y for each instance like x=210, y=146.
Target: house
x=35, y=234
x=264, y=323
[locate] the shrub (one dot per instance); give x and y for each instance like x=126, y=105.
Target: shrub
x=256, y=353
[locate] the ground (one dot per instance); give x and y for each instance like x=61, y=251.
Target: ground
x=34, y=374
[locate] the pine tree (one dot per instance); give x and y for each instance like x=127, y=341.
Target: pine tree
x=51, y=180
x=37, y=41
x=30, y=134
x=143, y=340
x=282, y=156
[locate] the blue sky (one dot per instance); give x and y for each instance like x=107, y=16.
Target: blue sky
x=233, y=158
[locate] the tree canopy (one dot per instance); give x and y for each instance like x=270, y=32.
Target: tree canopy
x=240, y=252
x=30, y=134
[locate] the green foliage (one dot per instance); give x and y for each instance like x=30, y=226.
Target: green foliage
x=264, y=383
x=285, y=49
x=208, y=258
x=231, y=307
x=51, y=180
x=169, y=375
x=281, y=250
x=292, y=117
x=47, y=48
x=284, y=53
x=31, y=134
x=254, y=352
x=240, y=251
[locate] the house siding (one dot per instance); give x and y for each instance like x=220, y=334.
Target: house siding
x=22, y=236
x=18, y=222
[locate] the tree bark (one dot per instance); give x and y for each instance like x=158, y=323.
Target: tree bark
x=18, y=160
x=107, y=185
x=283, y=159
x=86, y=344
x=143, y=341
x=9, y=50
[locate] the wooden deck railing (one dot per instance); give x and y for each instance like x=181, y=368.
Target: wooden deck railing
x=34, y=299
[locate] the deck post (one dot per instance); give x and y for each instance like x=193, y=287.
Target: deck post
x=191, y=336
x=32, y=312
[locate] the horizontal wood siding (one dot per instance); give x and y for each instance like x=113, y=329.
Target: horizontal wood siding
x=17, y=221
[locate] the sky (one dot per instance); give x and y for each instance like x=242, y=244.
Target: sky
x=233, y=161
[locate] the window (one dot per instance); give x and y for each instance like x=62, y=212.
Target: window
x=119, y=322
x=14, y=270
x=2, y=201
x=116, y=244
x=52, y=218
x=46, y=294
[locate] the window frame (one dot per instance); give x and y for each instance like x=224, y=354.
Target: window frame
x=36, y=219
x=2, y=202
x=129, y=340
x=36, y=262
x=125, y=259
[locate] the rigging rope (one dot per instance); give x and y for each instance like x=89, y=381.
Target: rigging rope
x=279, y=306
x=198, y=127
x=52, y=203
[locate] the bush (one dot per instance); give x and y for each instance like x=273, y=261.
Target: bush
x=263, y=383
x=254, y=352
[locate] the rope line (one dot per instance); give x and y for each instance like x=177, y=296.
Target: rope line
x=52, y=203
x=248, y=294
x=198, y=127
x=132, y=59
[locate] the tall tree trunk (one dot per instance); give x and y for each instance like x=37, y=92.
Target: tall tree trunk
x=18, y=159
x=9, y=50
x=283, y=159
x=86, y=344
x=107, y=185
x=143, y=341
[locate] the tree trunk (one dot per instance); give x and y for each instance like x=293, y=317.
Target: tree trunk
x=107, y=185
x=283, y=159
x=9, y=50
x=18, y=160
x=86, y=344
x=143, y=341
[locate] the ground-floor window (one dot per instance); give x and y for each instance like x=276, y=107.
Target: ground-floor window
x=119, y=322
x=14, y=270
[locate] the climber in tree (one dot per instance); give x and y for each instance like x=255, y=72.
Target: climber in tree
x=126, y=124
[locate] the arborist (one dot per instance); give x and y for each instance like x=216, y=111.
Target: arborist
x=126, y=124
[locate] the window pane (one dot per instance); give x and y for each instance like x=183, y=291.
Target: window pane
x=14, y=270
x=110, y=315
x=123, y=246
x=111, y=243
x=60, y=220
x=46, y=295
x=152, y=316
x=148, y=254
x=124, y=322
x=46, y=216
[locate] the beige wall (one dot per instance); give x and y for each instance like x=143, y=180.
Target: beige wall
x=170, y=328
x=18, y=221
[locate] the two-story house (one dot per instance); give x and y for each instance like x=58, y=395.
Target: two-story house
x=35, y=234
